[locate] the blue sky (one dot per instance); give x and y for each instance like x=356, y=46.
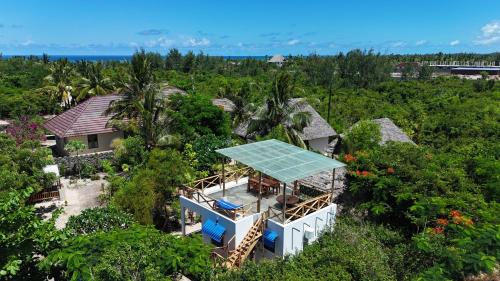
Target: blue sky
x=248, y=27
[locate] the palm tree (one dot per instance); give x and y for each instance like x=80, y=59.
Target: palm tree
x=93, y=82
x=141, y=103
x=58, y=82
x=279, y=112
x=243, y=108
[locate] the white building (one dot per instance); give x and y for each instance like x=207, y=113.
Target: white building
x=242, y=213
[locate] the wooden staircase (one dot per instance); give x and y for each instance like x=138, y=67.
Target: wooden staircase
x=241, y=253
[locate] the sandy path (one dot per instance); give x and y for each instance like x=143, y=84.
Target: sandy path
x=79, y=197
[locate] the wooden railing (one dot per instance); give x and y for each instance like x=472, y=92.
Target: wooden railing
x=44, y=195
x=222, y=253
x=307, y=207
x=233, y=175
x=300, y=210
x=200, y=197
x=273, y=212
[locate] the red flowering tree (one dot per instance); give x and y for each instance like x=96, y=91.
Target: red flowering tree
x=26, y=129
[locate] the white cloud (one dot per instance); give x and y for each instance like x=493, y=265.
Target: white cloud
x=293, y=42
x=454, y=42
x=193, y=42
x=398, y=44
x=490, y=34
x=160, y=42
x=421, y=42
x=28, y=42
x=492, y=28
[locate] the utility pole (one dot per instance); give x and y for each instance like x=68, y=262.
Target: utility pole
x=329, y=102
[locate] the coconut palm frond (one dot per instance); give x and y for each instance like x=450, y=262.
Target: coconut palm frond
x=300, y=120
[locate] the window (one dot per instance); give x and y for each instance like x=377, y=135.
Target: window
x=92, y=141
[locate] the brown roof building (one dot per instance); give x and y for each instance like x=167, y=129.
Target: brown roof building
x=87, y=123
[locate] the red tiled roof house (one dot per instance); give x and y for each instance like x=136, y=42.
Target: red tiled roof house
x=87, y=123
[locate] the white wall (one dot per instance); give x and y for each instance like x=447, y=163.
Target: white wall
x=320, y=144
x=291, y=235
x=104, y=141
x=238, y=228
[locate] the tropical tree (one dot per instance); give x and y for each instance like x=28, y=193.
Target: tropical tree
x=75, y=146
x=58, y=82
x=93, y=83
x=141, y=103
x=243, y=108
x=280, y=110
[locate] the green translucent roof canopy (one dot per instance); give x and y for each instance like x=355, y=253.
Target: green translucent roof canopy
x=282, y=161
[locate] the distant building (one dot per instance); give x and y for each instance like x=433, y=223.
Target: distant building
x=278, y=60
x=475, y=70
x=87, y=123
x=316, y=135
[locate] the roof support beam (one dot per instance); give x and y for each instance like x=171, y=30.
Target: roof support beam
x=284, y=202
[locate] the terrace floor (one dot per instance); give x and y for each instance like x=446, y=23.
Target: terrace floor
x=239, y=195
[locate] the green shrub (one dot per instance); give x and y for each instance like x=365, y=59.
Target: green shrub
x=364, y=135
x=129, y=151
x=87, y=170
x=136, y=253
x=351, y=252
x=98, y=219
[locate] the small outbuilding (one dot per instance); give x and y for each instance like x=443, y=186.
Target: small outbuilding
x=278, y=60
x=87, y=123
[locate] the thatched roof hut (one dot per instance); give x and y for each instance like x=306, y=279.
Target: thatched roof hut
x=279, y=60
x=225, y=104
x=390, y=132
x=317, y=128
x=167, y=90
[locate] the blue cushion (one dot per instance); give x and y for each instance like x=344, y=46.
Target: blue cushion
x=269, y=238
x=226, y=205
x=214, y=230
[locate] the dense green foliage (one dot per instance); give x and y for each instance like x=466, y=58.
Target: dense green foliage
x=136, y=253
x=22, y=233
x=98, y=219
x=351, y=252
x=193, y=116
x=429, y=197
x=427, y=212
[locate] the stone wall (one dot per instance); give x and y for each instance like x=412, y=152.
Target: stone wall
x=67, y=163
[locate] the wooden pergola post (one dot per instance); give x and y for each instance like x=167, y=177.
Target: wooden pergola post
x=284, y=202
x=333, y=185
x=223, y=179
x=260, y=192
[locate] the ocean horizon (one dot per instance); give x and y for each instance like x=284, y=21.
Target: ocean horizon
x=75, y=58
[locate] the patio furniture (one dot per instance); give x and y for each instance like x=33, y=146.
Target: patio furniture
x=226, y=205
x=229, y=208
x=268, y=185
x=291, y=200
